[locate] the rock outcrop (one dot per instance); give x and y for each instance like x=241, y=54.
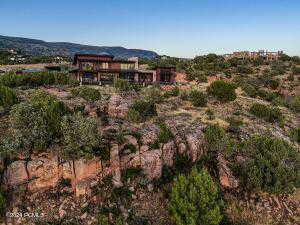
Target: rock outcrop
x=227, y=180
x=117, y=107
x=47, y=170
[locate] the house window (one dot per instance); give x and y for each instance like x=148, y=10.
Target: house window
x=165, y=77
x=126, y=66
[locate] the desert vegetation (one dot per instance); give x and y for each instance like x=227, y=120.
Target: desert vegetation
x=225, y=150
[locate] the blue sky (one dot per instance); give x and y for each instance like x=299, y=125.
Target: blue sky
x=177, y=28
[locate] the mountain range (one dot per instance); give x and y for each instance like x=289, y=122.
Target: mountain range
x=36, y=47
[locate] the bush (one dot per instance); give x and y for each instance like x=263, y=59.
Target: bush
x=184, y=95
x=7, y=97
x=272, y=165
x=122, y=85
x=270, y=114
x=164, y=133
x=53, y=110
x=102, y=219
x=141, y=110
x=243, y=69
x=198, y=98
x=2, y=205
x=195, y=200
x=12, y=79
x=234, y=123
x=250, y=90
x=222, y=90
x=81, y=136
x=173, y=92
x=153, y=94
x=87, y=93
x=210, y=113
x=30, y=128
x=296, y=70
x=295, y=104
x=295, y=134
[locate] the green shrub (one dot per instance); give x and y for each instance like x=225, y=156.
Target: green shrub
x=270, y=114
x=102, y=219
x=81, y=136
x=87, y=93
x=173, y=92
x=7, y=97
x=164, y=133
x=53, y=109
x=234, y=123
x=198, y=98
x=195, y=200
x=250, y=90
x=278, y=68
x=2, y=205
x=141, y=110
x=269, y=81
x=213, y=133
x=296, y=69
x=12, y=79
x=272, y=165
x=243, y=69
x=295, y=104
x=278, y=101
x=291, y=77
x=184, y=95
x=30, y=128
x=122, y=85
x=295, y=134
x=210, y=113
x=222, y=90
x=153, y=94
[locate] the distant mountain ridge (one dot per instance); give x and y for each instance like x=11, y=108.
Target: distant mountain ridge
x=35, y=47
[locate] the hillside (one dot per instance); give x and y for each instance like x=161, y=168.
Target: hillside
x=38, y=47
x=226, y=144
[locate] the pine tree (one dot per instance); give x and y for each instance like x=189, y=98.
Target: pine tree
x=196, y=200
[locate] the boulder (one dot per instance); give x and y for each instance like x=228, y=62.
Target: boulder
x=144, y=148
x=151, y=163
x=16, y=173
x=115, y=167
x=194, y=142
x=168, y=152
x=117, y=107
x=149, y=134
x=129, y=139
x=86, y=168
x=83, y=188
x=43, y=173
x=131, y=160
x=227, y=180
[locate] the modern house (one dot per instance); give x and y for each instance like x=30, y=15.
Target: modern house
x=265, y=55
x=104, y=68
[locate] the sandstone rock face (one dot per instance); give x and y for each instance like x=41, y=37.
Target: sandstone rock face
x=115, y=165
x=117, y=107
x=131, y=140
x=195, y=141
x=149, y=134
x=130, y=161
x=16, y=173
x=86, y=168
x=227, y=180
x=151, y=164
x=144, y=148
x=168, y=153
x=43, y=173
